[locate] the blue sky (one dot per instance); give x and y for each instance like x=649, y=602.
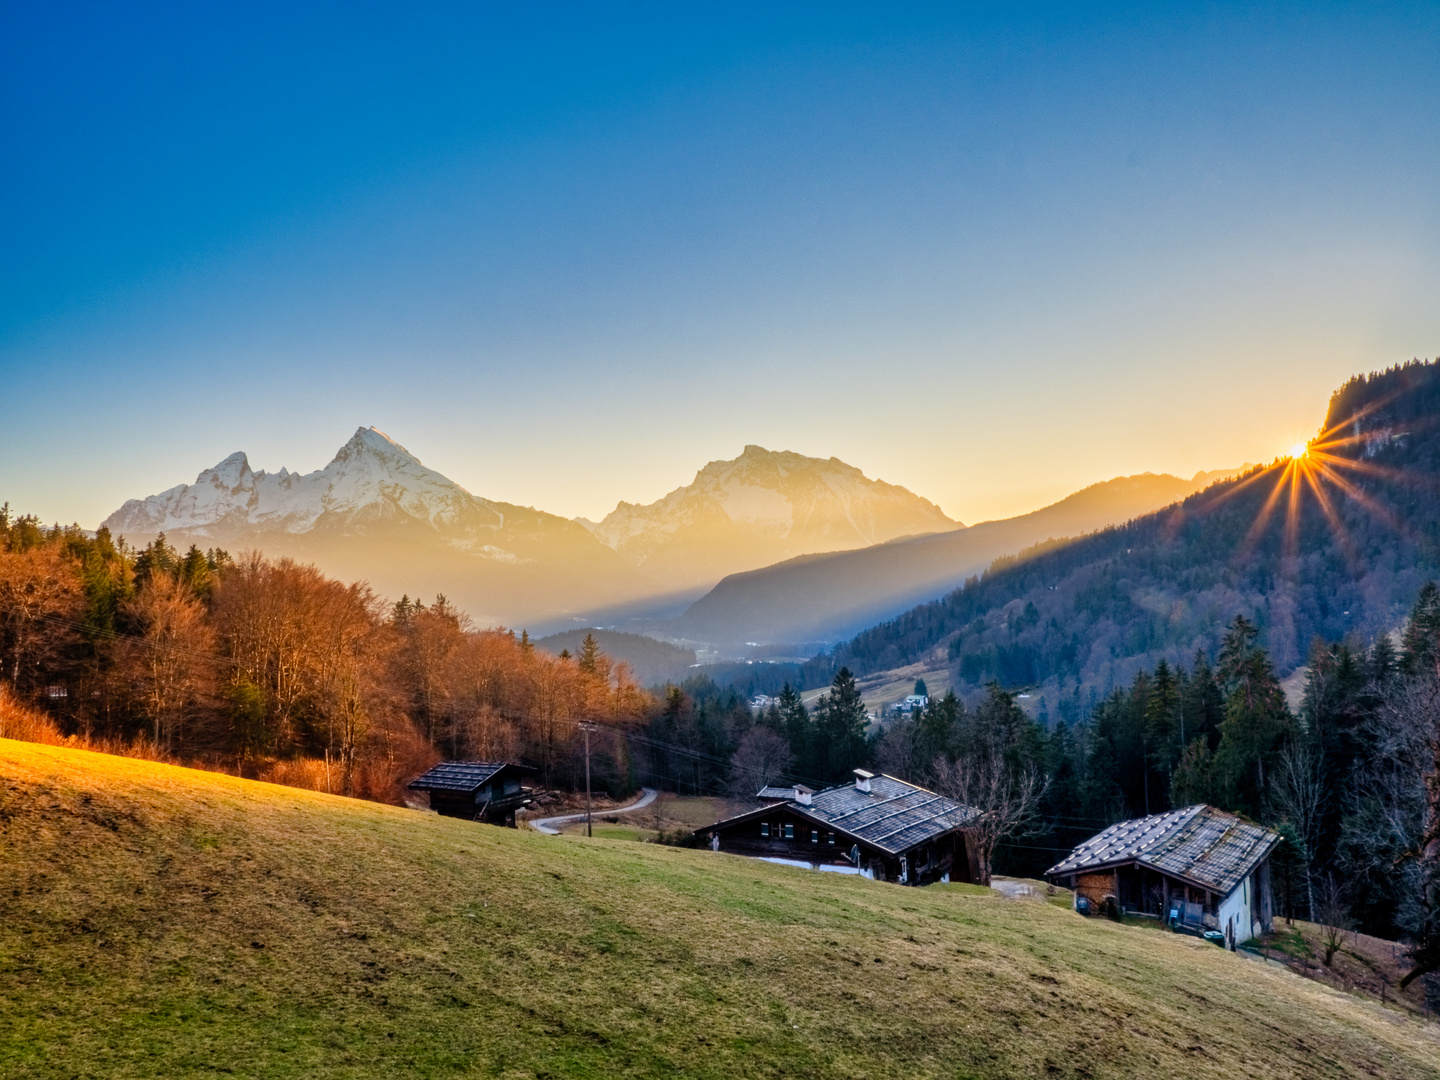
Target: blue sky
x=568, y=255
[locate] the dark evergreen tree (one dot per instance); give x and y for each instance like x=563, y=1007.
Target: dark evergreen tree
x=840, y=722
x=589, y=661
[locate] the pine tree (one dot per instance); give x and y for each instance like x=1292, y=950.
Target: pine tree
x=937, y=732
x=1161, y=739
x=1257, y=720
x=840, y=722
x=798, y=730
x=1420, y=644
x=194, y=572
x=589, y=661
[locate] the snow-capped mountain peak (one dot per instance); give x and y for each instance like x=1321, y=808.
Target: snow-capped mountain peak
x=371, y=478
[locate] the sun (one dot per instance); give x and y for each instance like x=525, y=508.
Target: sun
x=1318, y=469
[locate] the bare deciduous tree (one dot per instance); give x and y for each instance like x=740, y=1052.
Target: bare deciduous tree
x=1333, y=917
x=1006, y=801
x=1298, y=792
x=171, y=662
x=40, y=598
x=761, y=759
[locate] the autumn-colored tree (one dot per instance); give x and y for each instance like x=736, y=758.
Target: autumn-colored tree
x=170, y=663
x=41, y=603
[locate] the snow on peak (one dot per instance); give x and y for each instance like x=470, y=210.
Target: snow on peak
x=371, y=477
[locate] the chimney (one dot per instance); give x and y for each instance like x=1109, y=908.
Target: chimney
x=802, y=794
x=862, y=780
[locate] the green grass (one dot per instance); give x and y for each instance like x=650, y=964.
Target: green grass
x=156, y=921
x=605, y=831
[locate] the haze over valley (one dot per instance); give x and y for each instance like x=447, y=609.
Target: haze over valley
x=735, y=557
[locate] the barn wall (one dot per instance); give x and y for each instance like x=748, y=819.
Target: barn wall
x=743, y=838
x=1235, y=912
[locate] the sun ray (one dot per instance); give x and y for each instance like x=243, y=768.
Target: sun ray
x=1371, y=469
x=1333, y=517
x=1231, y=492
x=1360, y=497
x=1292, y=509
x=1262, y=519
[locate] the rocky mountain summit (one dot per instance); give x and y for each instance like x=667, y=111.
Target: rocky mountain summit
x=376, y=513
x=372, y=479
x=760, y=508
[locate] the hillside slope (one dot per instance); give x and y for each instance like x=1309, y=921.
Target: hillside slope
x=826, y=597
x=157, y=921
x=1334, y=544
x=650, y=660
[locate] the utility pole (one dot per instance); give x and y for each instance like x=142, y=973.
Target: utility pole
x=585, y=727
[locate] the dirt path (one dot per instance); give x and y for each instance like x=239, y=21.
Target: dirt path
x=551, y=826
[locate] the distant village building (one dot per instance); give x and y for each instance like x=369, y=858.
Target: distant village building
x=881, y=827
x=912, y=703
x=488, y=791
x=1197, y=868
x=763, y=702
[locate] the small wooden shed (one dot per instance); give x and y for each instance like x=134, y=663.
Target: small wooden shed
x=879, y=826
x=488, y=791
x=1200, y=868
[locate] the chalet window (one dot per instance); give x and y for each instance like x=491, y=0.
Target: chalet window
x=789, y=831
x=814, y=836
x=765, y=829
x=831, y=838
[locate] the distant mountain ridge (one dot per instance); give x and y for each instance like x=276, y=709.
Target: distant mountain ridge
x=827, y=597
x=371, y=480
x=759, y=508
x=376, y=513
x=1344, y=564
x=652, y=661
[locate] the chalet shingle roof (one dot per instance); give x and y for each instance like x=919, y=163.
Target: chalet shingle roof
x=1199, y=844
x=461, y=776
x=893, y=815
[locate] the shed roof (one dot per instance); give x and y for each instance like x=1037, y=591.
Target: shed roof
x=464, y=776
x=893, y=815
x=1199, y=844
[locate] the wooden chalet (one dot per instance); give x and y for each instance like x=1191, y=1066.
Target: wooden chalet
x=878, y=826
x=488, y=791
x=1198, y=868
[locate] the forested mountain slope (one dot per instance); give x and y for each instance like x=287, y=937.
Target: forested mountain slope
x=1334, y=544
x=650, y=660
x=825, y=597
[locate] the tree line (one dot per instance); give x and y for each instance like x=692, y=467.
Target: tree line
x=270, y=668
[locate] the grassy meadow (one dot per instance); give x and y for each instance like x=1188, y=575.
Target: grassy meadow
x=157, y=921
